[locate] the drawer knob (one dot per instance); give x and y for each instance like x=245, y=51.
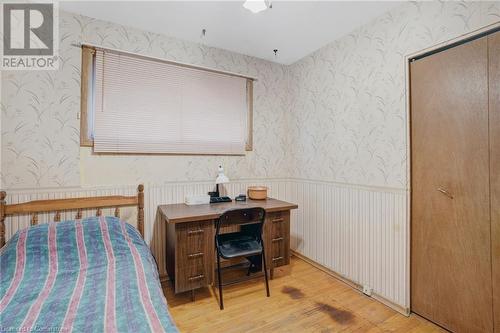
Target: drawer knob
x=278, y=220
x=196, y=277
x=194, y=232
x=278, y=258
x=277, y=239
x=195, y=255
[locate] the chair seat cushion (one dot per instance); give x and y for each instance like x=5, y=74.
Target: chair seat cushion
x=236, y=244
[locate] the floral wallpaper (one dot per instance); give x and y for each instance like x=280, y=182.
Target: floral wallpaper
x=40, y=125
x=338, y=114
x=348, y=99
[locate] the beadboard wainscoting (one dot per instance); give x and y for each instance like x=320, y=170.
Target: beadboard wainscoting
x=358, y=232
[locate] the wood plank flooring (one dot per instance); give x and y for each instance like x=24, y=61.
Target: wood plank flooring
x=303, y=299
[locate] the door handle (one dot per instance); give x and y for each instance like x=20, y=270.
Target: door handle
x=445, y=192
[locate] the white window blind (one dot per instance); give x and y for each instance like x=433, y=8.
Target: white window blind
x=148, y=106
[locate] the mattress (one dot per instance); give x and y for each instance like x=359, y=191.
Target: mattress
x=90, y=275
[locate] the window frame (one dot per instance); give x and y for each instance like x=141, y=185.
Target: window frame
x=88, y=55
x=87, y=71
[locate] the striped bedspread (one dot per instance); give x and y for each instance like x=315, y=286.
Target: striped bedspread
x=91, y=275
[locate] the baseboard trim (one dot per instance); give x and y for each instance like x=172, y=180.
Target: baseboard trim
x=375, y=296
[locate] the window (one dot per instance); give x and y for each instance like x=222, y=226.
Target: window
x=136, y=104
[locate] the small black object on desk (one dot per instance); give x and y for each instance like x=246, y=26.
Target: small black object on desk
x=220, y=199
x=241, y=197
x=216, y=198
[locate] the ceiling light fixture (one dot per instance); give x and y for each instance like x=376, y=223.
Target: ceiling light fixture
x=256, y=6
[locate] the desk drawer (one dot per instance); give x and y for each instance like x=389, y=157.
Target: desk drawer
x=194, y=255
x=193, y=238
x=278, y=254
x=279, y=226
x=193, y=277
x=278, y=239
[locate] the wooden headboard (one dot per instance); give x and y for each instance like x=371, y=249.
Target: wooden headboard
x=76, y=204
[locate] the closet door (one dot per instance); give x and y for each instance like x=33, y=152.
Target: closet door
x=494, y=88
x=450, y=232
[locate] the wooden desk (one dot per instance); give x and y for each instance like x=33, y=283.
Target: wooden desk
x=191, y=243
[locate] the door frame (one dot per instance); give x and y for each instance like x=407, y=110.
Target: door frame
x=407, y=60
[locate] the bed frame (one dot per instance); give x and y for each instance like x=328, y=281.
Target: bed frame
x=76, y=204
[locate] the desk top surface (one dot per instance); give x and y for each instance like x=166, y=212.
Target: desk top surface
x=177, y=213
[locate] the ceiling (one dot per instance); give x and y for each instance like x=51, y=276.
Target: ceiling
x=295, y=28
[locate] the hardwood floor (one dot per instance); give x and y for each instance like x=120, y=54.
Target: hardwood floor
x=303, y=299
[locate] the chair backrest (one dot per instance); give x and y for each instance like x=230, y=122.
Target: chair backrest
x=251, y=220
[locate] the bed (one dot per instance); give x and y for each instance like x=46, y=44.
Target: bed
x=92, y=274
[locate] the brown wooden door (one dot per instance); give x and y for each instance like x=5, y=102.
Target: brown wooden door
x=494, y=91
x=450, y=229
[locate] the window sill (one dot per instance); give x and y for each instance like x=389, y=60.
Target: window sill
x=90, y=144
